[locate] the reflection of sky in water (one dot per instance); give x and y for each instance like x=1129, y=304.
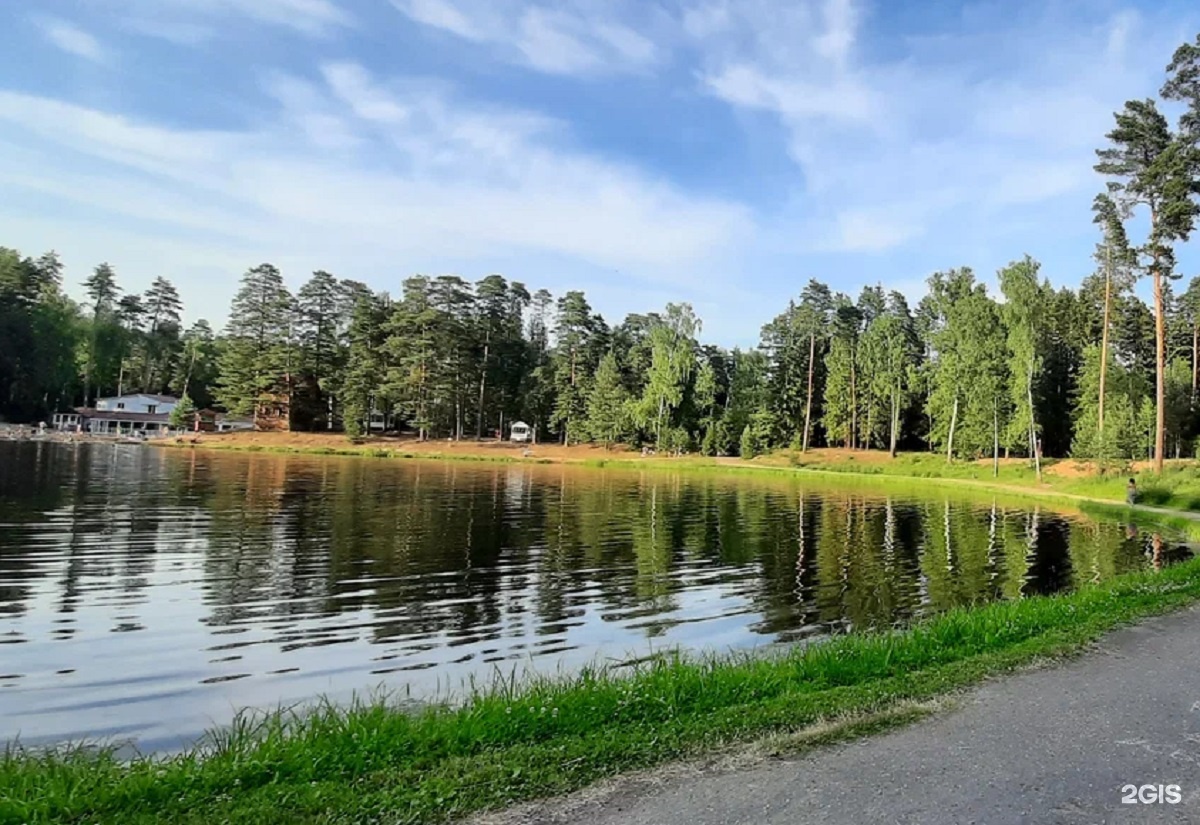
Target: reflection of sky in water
x=149, y=594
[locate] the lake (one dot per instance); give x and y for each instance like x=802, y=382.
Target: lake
x=148, y=594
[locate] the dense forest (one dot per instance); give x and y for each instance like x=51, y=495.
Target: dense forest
x=1091, y=371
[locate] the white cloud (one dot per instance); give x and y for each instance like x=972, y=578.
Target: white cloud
x=195, y=21
x=572, y=37
x=1002, y=115
x=72, y=39
x=351, y=83
x=443, y=14
x=362, y=175
x=872, y=230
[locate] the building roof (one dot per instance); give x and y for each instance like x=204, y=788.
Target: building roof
x=519, y=424
x=122, y=415
x=162, y=399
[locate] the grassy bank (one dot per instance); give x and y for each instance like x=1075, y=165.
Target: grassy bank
x=519, y=741
x=1178, y=487
x=1063, y=481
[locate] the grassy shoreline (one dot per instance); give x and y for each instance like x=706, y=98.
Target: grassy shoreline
x=1172, y=499
x=513, y=742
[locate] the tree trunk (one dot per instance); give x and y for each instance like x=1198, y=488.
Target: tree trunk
x=1033, y=441
x=482, y=386
x=1195, y=357
x=187, y=377
x=1160, y=363
x=950, y=440
x=853, y=439
x=812, y=351
x=662, y=401
x=895, y=428
x=995, y=438
x=1104, y=343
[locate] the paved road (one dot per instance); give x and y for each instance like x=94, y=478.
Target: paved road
x=1046, y=746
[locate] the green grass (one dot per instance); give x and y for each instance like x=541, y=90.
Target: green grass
x=516, y=741
x=1178, y=488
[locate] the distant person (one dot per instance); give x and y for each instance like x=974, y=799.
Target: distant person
x=1131, y=493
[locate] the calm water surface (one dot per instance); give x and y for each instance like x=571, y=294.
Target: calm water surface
x=149, y=593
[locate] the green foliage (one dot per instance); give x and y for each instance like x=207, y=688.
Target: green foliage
x=182, y=416
x=256, y=365
x=672, y=363
x=366, y=367
x=748, y=446
x=838, y=403
x=716, y=440
x=1120, y=438
x=40, y=331
x=579, y=335
x=1025, y=303
x=968, y=373
x=608, y=403
x=890, y=357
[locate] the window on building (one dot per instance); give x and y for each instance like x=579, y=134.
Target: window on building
x=120, y=405
x=152, y=408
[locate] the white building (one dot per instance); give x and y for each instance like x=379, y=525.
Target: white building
x=520, y=431
x=138, y=403
x=138, y=414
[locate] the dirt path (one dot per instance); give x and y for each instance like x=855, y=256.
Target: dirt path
x=1055, y=745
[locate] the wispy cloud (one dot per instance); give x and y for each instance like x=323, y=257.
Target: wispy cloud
x=568, y=38
x=193, y=21
x=890, y=149
x=72, y=39
x=384, y=173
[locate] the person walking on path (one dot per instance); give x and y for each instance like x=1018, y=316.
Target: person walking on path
x=1131, y=493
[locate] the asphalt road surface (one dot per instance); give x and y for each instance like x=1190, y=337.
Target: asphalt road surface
x=1054, y=745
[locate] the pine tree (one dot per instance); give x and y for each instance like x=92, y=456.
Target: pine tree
x=841, y=403
x=1149, y=166
x=607, y=405
x=183, y=414
x=366, y=367
x=103, y=337
x=257, y=362
x=575, y=329
x=161, y=345
x=319, y=305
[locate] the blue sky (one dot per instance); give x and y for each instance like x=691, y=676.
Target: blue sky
x=716, y=151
